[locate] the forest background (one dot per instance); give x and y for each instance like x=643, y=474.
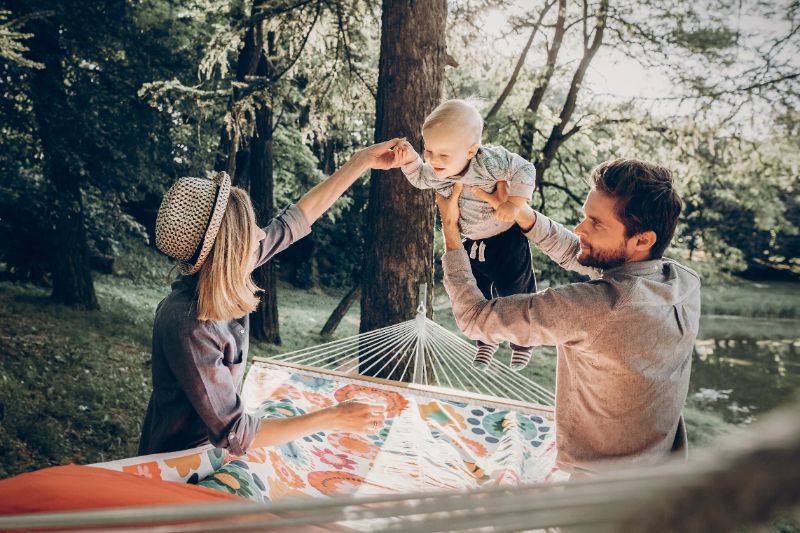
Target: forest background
x=103, y=105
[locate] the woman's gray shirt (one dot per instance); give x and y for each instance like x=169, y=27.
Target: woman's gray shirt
x=198, y=365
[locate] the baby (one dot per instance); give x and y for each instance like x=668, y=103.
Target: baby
x=499, y=253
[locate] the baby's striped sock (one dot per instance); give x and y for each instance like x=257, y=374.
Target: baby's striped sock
x=520, y=357
x=484, y=356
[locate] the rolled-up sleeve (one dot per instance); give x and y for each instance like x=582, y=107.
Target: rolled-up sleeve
x=560, y=245
x=196, y=360
x=288, y=227
x=521, y=176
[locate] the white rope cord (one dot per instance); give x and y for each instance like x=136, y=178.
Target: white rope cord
x=355, y=348
x=507, y=376
x=427, y=352
x=445, y=361
x=491, y=383
x=440, y=355
x=382, y=348
x=450, y=351
x=409, y=342
x=395, y=346
x=367, y=350
x=297, y=354
x=365, y=353
x=345, y=343
x=495, y=385
x=518, y=377
x=408, y=363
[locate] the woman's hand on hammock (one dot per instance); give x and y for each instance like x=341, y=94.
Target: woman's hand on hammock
x=356, y=417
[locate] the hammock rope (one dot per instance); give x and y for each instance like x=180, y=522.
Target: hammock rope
x=423, y=352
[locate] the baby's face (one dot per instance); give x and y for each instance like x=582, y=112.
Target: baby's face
x=447, y=151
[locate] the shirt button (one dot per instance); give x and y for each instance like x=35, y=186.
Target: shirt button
x=241, y=331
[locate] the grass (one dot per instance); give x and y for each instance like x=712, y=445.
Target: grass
x=74, y=385
x=756, y=300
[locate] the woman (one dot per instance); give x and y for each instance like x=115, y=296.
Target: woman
x=201, y=329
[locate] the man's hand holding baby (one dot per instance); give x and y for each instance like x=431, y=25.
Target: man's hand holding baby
x=505, y=205
x=507, y=208
x=506, y=211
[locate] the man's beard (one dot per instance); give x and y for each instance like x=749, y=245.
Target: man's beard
x=602, y=259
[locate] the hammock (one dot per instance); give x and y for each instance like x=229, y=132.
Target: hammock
x=435, y=436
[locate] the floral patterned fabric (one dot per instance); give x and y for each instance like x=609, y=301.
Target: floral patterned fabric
x=429, y=441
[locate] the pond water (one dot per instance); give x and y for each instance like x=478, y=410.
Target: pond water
x=744, y=367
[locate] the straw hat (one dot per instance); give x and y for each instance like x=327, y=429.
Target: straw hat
x=189, y=218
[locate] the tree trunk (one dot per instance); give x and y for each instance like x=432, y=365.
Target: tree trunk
x=338, y=314
x=72, y=278
x=398, y=251
x=265, y=319
x=234, y=156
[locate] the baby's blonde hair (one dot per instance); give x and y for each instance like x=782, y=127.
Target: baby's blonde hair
x=458, y=114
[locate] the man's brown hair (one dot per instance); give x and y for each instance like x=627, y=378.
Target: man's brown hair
x=645, y=198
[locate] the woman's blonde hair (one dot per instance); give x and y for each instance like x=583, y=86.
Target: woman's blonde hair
x=225, y=287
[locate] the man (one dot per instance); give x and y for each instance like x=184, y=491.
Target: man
x=624, y=339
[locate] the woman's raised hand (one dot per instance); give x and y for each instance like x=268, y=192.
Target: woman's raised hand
x=388, y=154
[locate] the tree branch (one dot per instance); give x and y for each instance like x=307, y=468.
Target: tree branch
x=552, y=55
x=303, y=44
x=521, y=61
x=557, y=137
x=563, y=188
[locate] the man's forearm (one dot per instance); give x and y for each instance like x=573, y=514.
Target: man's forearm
x=452, y=237
x=557, y=242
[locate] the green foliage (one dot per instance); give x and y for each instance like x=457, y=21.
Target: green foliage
x=12, y=45
x=122, y=147
x=153, y=86
x=699, y=40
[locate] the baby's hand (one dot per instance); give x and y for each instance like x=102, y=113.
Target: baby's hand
x=405, y=154
x=506, y=212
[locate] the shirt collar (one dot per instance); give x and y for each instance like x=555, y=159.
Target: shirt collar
x=635, y=268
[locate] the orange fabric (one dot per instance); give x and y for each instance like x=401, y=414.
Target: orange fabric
x=73, y=488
